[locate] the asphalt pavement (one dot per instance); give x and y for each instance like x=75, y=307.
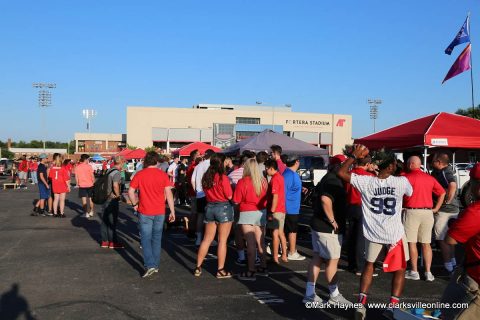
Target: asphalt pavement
x=53, y=268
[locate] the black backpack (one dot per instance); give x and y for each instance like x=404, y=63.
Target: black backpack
x=100, y=187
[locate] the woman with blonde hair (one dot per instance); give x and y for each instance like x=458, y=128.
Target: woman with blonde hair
x=250, y=196
x=60, y=186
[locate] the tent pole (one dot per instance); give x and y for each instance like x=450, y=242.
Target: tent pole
x=425, y=159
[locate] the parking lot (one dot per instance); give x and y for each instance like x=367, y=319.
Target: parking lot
x=55, y=269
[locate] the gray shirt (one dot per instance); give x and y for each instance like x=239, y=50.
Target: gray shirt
x=113, y=176
x=163, y=166
x=445, y=177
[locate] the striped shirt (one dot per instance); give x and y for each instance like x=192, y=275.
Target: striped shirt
x=382, y=206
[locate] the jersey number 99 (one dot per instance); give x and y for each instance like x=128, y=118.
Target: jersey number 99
x=385, y=206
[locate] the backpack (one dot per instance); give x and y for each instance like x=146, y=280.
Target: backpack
x=100, y=188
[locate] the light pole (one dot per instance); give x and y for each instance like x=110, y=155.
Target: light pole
x=374, y=103
x=273, y=114
x=89, y=114
x=44, y=101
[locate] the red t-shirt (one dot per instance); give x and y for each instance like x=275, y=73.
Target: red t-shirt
x=281, y=166
x=424, y=185
x=276, y=186
x=247, y=198
x=353, y=195
x=221, y=190
x=151, y=183
x=33, y=166
x=59, y=177
x=466, y=229
x=23, y=166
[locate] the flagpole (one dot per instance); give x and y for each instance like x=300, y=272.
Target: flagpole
x=471, y=68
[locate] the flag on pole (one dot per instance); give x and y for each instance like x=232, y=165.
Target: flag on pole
x=460, y=65
x=462, y=36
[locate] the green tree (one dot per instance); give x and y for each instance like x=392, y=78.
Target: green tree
x=469, y=112
x=129, y=146
x=6, y=154
x=152, y=148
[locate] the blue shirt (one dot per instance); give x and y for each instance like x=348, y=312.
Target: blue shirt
x=293, y=191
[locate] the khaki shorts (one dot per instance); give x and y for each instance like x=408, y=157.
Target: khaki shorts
x=280, y=217
x=327, y=245
x=441, y=224
x=373, y=250
x=418, y=225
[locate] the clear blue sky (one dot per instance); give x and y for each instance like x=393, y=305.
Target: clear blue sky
x=318, y=56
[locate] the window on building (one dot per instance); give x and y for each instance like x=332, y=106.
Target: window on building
x=243, y=120
x=245, y=134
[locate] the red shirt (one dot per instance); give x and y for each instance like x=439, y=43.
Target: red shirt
x=247, y=198
x=188, y=177
x=353, y=195
x=221, y=190
x=23, y=166
x=60, y=178
x=276, y=186
x=33, y=166
x=424, y=185
x=151, y=183
x=466, y=229
x=281, y=166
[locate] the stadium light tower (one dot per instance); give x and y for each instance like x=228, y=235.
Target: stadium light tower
x=374, y=103
x=44, y=101
x=89, y=114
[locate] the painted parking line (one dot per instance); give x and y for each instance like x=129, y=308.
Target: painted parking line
x=265, y=297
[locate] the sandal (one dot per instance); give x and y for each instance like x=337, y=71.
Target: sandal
x=197, y=272
x=263, y=272
x=247, y=276
x=222, y=274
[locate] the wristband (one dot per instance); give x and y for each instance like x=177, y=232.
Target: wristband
x=332, y=221
x=134, y=205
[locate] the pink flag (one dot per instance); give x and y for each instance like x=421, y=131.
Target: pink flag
x=460, y=65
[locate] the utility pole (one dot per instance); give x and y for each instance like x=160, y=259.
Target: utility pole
x=89, y=114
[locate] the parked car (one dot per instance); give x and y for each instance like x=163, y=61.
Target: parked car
x=6, y=167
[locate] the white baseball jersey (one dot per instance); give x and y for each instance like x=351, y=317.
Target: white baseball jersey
x=382, y=206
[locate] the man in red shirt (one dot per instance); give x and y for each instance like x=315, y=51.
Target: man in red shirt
x=276, y=207
x=277, y=156
x=154, y=187
x=85, y=180
x=23, y=172
x=466, y=230
x=356, y=241
x=418, y=218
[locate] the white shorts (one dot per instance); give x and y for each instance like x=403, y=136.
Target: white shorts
x=418, y=225
x=22, y=175
x=441, y=224
x=373, y=249
x=327, y=245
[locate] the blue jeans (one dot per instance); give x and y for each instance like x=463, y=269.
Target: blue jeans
x=33, y=176
x=151, y=229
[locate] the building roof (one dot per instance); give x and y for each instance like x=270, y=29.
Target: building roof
x=36, y=150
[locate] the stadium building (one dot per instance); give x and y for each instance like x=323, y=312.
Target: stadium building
x=222, y=125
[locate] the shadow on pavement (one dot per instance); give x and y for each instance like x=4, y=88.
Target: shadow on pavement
x=13, y=305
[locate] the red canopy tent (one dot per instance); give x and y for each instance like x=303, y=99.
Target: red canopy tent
x=123, y=152
x=200, y=146
x=443, y=129
x=135, y=154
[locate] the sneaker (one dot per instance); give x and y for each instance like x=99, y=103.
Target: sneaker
x=360, y=313
x=296, y=256
x=49, y=214
x=429, y=276
x=149, y=272
x=268, y=250
x=312, y=298
x=241, y=262
x=412, y=275
x=34, y=212
x=86, y=215
x=91, y=214
x=116, y=245
x=262, y=272
x=104, y=244
x=339, y=300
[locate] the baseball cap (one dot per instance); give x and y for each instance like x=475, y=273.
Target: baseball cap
x=475, y=171
x=337, y=159
x=292, y=158
x=42, y=156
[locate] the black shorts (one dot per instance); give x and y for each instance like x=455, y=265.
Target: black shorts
x=85, y=192
x=291, y=223
x=201, y=205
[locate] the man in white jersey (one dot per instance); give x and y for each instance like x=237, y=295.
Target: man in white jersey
x=382, y=198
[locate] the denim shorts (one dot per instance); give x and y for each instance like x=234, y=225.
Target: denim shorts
x=219, y=212
x=44, y=192
x=256, y=218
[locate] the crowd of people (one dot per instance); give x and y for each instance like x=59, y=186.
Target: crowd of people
x=383, y=208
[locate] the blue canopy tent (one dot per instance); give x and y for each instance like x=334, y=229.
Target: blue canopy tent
x=97, y=157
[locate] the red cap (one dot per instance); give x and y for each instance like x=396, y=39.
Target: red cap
x=337, y=159
x=475, y=171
